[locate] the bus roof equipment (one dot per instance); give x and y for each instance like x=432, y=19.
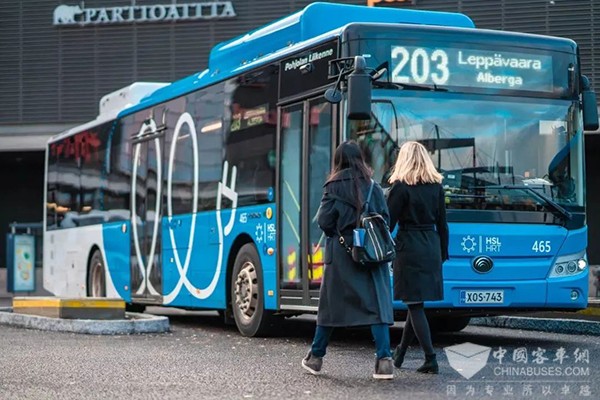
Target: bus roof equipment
x=120, y=99
x=113, y=103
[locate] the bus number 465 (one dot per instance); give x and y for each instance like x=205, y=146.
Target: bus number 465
x=541, y=246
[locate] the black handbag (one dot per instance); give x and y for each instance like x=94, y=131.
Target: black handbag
x=373, y=244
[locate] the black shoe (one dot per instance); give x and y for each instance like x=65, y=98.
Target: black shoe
x=398, y=356
x=384, y=369
x=312, y=363
x=430, y=366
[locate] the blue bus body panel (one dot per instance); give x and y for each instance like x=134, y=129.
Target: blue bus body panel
x=189, y=268
x=200, y=282
x=519, y=270
x=559, y=289
x=316, y=22
x=117, y=249
x=508, y=246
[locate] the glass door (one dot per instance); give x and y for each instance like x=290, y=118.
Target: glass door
x=290, y=197
x=305, y=148
x=319, y=154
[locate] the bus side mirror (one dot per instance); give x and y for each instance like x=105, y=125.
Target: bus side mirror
x=590, y=108
x=359, y=91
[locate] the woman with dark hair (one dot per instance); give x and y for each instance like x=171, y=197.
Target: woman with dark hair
x=351, y=294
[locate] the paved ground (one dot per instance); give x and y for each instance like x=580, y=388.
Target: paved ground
x=202, y=358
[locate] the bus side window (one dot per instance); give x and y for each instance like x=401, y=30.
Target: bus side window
x=207, y=108
x=92, y=149
x=251, y=123
x=51, y=187
x=118, y=170
x=67, y=183
x=182, y=164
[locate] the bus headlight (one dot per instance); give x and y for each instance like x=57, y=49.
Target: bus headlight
x=569, y=265
x=559, y=269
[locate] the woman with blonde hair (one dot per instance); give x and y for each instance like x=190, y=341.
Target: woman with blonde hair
x=416, y=203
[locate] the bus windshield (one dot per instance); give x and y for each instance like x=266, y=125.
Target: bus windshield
x=485, y=146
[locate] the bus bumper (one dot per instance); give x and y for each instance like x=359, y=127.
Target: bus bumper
x=565, y=293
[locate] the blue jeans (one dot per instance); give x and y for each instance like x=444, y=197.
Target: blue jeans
x=380, y=332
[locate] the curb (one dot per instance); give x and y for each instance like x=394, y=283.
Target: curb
x=554, y=325
x=593, y=311
x=593, y=307
x=140, y=323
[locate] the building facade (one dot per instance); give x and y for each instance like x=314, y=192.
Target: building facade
x=59, y=57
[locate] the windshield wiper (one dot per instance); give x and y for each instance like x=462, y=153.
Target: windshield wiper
x=401, y=86
x=468, y=196
x=556, y=208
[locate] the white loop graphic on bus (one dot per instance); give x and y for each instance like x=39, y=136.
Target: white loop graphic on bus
x=146, y=270
x=223, y=190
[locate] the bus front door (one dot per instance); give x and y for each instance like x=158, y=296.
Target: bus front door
x=146, y=211
x=305, y=148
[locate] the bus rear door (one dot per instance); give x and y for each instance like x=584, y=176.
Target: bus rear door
x=146, y=211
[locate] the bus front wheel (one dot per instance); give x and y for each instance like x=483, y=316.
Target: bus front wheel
x=96, y=277
x=247, y=296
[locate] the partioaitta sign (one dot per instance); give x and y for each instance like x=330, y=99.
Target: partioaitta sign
x=79, y=15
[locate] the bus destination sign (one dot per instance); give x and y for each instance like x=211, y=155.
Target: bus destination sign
x=444, y=66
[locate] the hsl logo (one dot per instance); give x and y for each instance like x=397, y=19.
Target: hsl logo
x=371, y=3
x=467, y=359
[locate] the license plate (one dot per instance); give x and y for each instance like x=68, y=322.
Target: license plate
x=482, y=296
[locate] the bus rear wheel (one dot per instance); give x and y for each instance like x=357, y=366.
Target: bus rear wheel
x=96, y=276
x=247, y=295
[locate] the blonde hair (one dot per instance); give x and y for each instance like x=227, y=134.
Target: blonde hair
x=414, y=166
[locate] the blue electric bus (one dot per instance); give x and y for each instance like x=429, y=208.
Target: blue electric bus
x=202, y=194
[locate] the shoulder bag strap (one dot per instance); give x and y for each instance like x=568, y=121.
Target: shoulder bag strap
x=366, y=205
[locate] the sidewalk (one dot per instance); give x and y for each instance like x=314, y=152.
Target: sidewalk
x=585, y=322
x=593, y=310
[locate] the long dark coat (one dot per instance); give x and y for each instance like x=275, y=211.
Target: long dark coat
x=351, y=294
x=421, y=241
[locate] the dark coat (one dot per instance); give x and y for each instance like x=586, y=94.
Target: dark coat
x=351, y=294
x=421, y=241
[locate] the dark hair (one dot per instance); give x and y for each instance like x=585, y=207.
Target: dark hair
x=349, y=156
